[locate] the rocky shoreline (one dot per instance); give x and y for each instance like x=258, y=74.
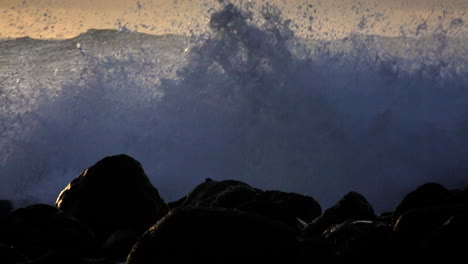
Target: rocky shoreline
x=112, y=213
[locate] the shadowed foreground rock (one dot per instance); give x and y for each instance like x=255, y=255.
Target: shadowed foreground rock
x=41, y=233
x=430, y=223
x=353, y=206
x=114, y=194
x=112, y=209
x=362, y=241
x=206, y=193
x=291, y=208
x=426, y=195
x=5, y=207
x=215, y=235
x=448, y=241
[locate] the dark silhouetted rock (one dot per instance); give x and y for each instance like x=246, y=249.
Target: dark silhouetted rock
x=174, y=204
x=428, y=194
x=215, y=235
x=235, y=197
x=60, y=258
x=304, y=207
x=51, y=257
x=9, y=254
x=316, y=250
x=385, y=217
x=207, y=192
x=353, y=206
x=5, y=207
x=291, y=208
x=416, y=224
x=45, y=227
x=112, y=195
x=357, y=241
x=449, y=241
x=457, y=197
x=119, y=244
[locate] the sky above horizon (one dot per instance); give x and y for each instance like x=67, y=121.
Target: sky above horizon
x=59, y=19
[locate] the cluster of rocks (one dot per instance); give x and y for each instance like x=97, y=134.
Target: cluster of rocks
x=112, y=213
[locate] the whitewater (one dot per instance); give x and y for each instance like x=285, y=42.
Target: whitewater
x=248, y=100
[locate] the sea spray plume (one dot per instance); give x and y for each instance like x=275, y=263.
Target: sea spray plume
x=356, y=115
x=371, y=114
x=254, y=104
x=244, y=52
x=96, y=113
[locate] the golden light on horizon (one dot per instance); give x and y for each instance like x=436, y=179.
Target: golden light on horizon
x=59, y=19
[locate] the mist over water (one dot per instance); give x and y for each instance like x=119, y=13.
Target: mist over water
x=253, y=102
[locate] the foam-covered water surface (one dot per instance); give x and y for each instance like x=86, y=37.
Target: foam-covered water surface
x=248, y=100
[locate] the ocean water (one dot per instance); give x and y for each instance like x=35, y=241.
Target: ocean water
x=248, y=100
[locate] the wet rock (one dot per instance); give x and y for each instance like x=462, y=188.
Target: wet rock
x=362, y=241
x=113, y=194
x=215, y=235
x=448, y=242
x=417, y=224
x=303, y=207
x=226, y=222
x=457, y=197
x=60, y=258
x=291, y=208
x=9, y=254
x=421, y=220
x=428, y=194
x=5, y=207
x=385, y=217
x=174, y=204
x=353, y=206
x=316, y=250
x=119, y=243
x=235, y=197
x=41, y=229
x=52, y=257
x=207, y=192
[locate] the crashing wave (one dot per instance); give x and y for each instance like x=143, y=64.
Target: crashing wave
x=249, y=101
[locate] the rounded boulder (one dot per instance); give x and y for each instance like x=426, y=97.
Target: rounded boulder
x=113, y=194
